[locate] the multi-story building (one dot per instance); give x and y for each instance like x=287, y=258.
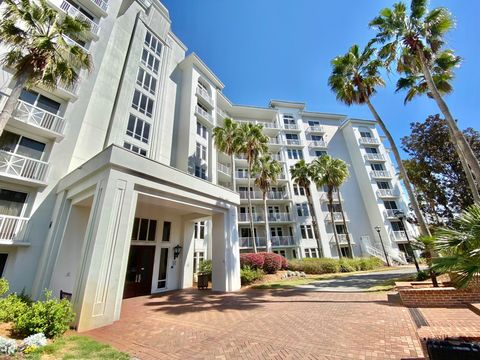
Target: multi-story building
x=113, y=188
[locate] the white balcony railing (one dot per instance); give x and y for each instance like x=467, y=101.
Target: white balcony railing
x=391, y=213
x=374, y=157
x=72, y=42
x=224, y=169
x=258, y=195
x=280, y=217
x=337, y=216
x=369, y=141
x=22, y=167
x=315, y=129
x=101, y=4
x=246, y=217
x=274, y=141
x=324, y=196
x=268, y=125
x=278, y=241
x=247, y=242
x=380, y=174
x=317, y=144
x=204, y=114
x=400, y=235
x=241, y=175
x=204, y=95
x=290, y=126
x=342, y=239
x=35, y=116
x=223, y=114
x=295, y=142
x=277, y=157
x=74, y=12
x=387, y=193
x=12, y=229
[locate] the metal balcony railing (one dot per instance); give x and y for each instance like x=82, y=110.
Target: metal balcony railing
x=247, y=242
x=337, y=216
x=317, y=144
x=380, y=174
x=204, y=95
x=22, y=167
x=290, y=126
x=278, y=241
x=204, y=114
x=280, y=217
x=342, y=239
x=12, y=229
x=400, y=235
x=246, y=217
x=315, y=129
x=258, y=195
x=74, y=12
x=369, y=141
x=295, y=142
x=374, y=157
x=224, y=169
x=391, y=213
x=35, y=116
x=387, y=193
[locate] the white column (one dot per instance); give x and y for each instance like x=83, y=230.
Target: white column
x=98, y=291
x=186, y=256
x=225, y=251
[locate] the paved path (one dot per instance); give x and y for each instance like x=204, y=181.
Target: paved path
x=259, y=324
x=359, y=282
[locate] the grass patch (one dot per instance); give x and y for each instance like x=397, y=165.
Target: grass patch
x=389, y=284
x=76, y=347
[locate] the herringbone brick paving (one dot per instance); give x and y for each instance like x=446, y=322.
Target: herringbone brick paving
x=257, y=324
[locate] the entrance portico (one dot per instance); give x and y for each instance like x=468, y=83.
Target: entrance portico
x=116, y=223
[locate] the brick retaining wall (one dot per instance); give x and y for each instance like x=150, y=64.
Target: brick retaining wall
x=442, y=296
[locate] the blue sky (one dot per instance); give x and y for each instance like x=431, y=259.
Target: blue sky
x=281, y=49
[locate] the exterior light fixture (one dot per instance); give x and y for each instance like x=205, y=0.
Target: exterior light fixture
x=176, y=251
x=377, y=229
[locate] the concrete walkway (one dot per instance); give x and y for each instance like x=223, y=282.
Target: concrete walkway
x=359, y=282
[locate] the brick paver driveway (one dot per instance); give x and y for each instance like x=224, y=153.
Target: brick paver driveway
x=257, y=324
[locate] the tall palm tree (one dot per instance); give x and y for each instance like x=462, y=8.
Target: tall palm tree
x=301, y=174
x=252, y=143
x=427, y=245
x=227, y=140
x=415, y=39
x=459, y=247
x=332, y=173
x=267, y=171
x=354, y=79
x=39, y=49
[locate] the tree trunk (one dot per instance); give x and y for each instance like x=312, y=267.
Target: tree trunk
x=267, y=225
x=330, y=201
x=316, y=230
x=345, y=224
x=458, y=139
x=408, y=186
x=11, y=102
x=252, y=229
x=232, y=167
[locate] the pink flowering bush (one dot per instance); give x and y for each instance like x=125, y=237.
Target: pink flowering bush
x=270, y=263
x=253, y=261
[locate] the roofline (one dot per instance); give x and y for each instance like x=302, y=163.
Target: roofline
x=178, y=41
x=324, y=115
x=195, y=60
x=358, y=121
x=288, y=104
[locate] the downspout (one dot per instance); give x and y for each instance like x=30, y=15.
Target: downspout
x=115, y=103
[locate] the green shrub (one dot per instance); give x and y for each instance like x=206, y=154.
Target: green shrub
x=249, y=275
x=422, y=275
x=4, y=287
x=205, y=267
x=328, y=266
x=51, y=317
x=11, y=307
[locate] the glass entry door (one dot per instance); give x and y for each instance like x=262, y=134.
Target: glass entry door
x=138, y=280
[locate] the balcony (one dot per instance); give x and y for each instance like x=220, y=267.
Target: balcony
x=280, y=217
x=242, y=175
x=374, y=157
x=337, y=216
x=40, y=119
x=277, y=157
x=224, y=169
x=317, y=129
x=204, y=115
x=222, y=114
x=368, y=141
x=13, y=230
x=279, y=241
x=342, y=239
x=274, y=141
x=324, y=196
x=246, y=217
x=23, y=168
x=74, y=12
x=293, y=142
x=387, y=193
x=391, y=213
x=247, y=242
x=380, y=174
x=317, y=144
x=291, y=127
x=97, y=7
x=203, y=94
x=258, y=195
x=400, y=236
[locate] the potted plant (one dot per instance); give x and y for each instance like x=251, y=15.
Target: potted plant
x=204, y=274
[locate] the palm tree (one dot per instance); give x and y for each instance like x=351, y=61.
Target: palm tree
x=354, y=79
x=267, y=171
x=459, y=247
x=226, y=139
x=39, y=49
x=415, y=39
x=302, y=174
x=332, y=173
x=427, y=245
x=253, y=143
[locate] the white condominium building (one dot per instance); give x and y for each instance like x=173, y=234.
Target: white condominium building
x=113, y=188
